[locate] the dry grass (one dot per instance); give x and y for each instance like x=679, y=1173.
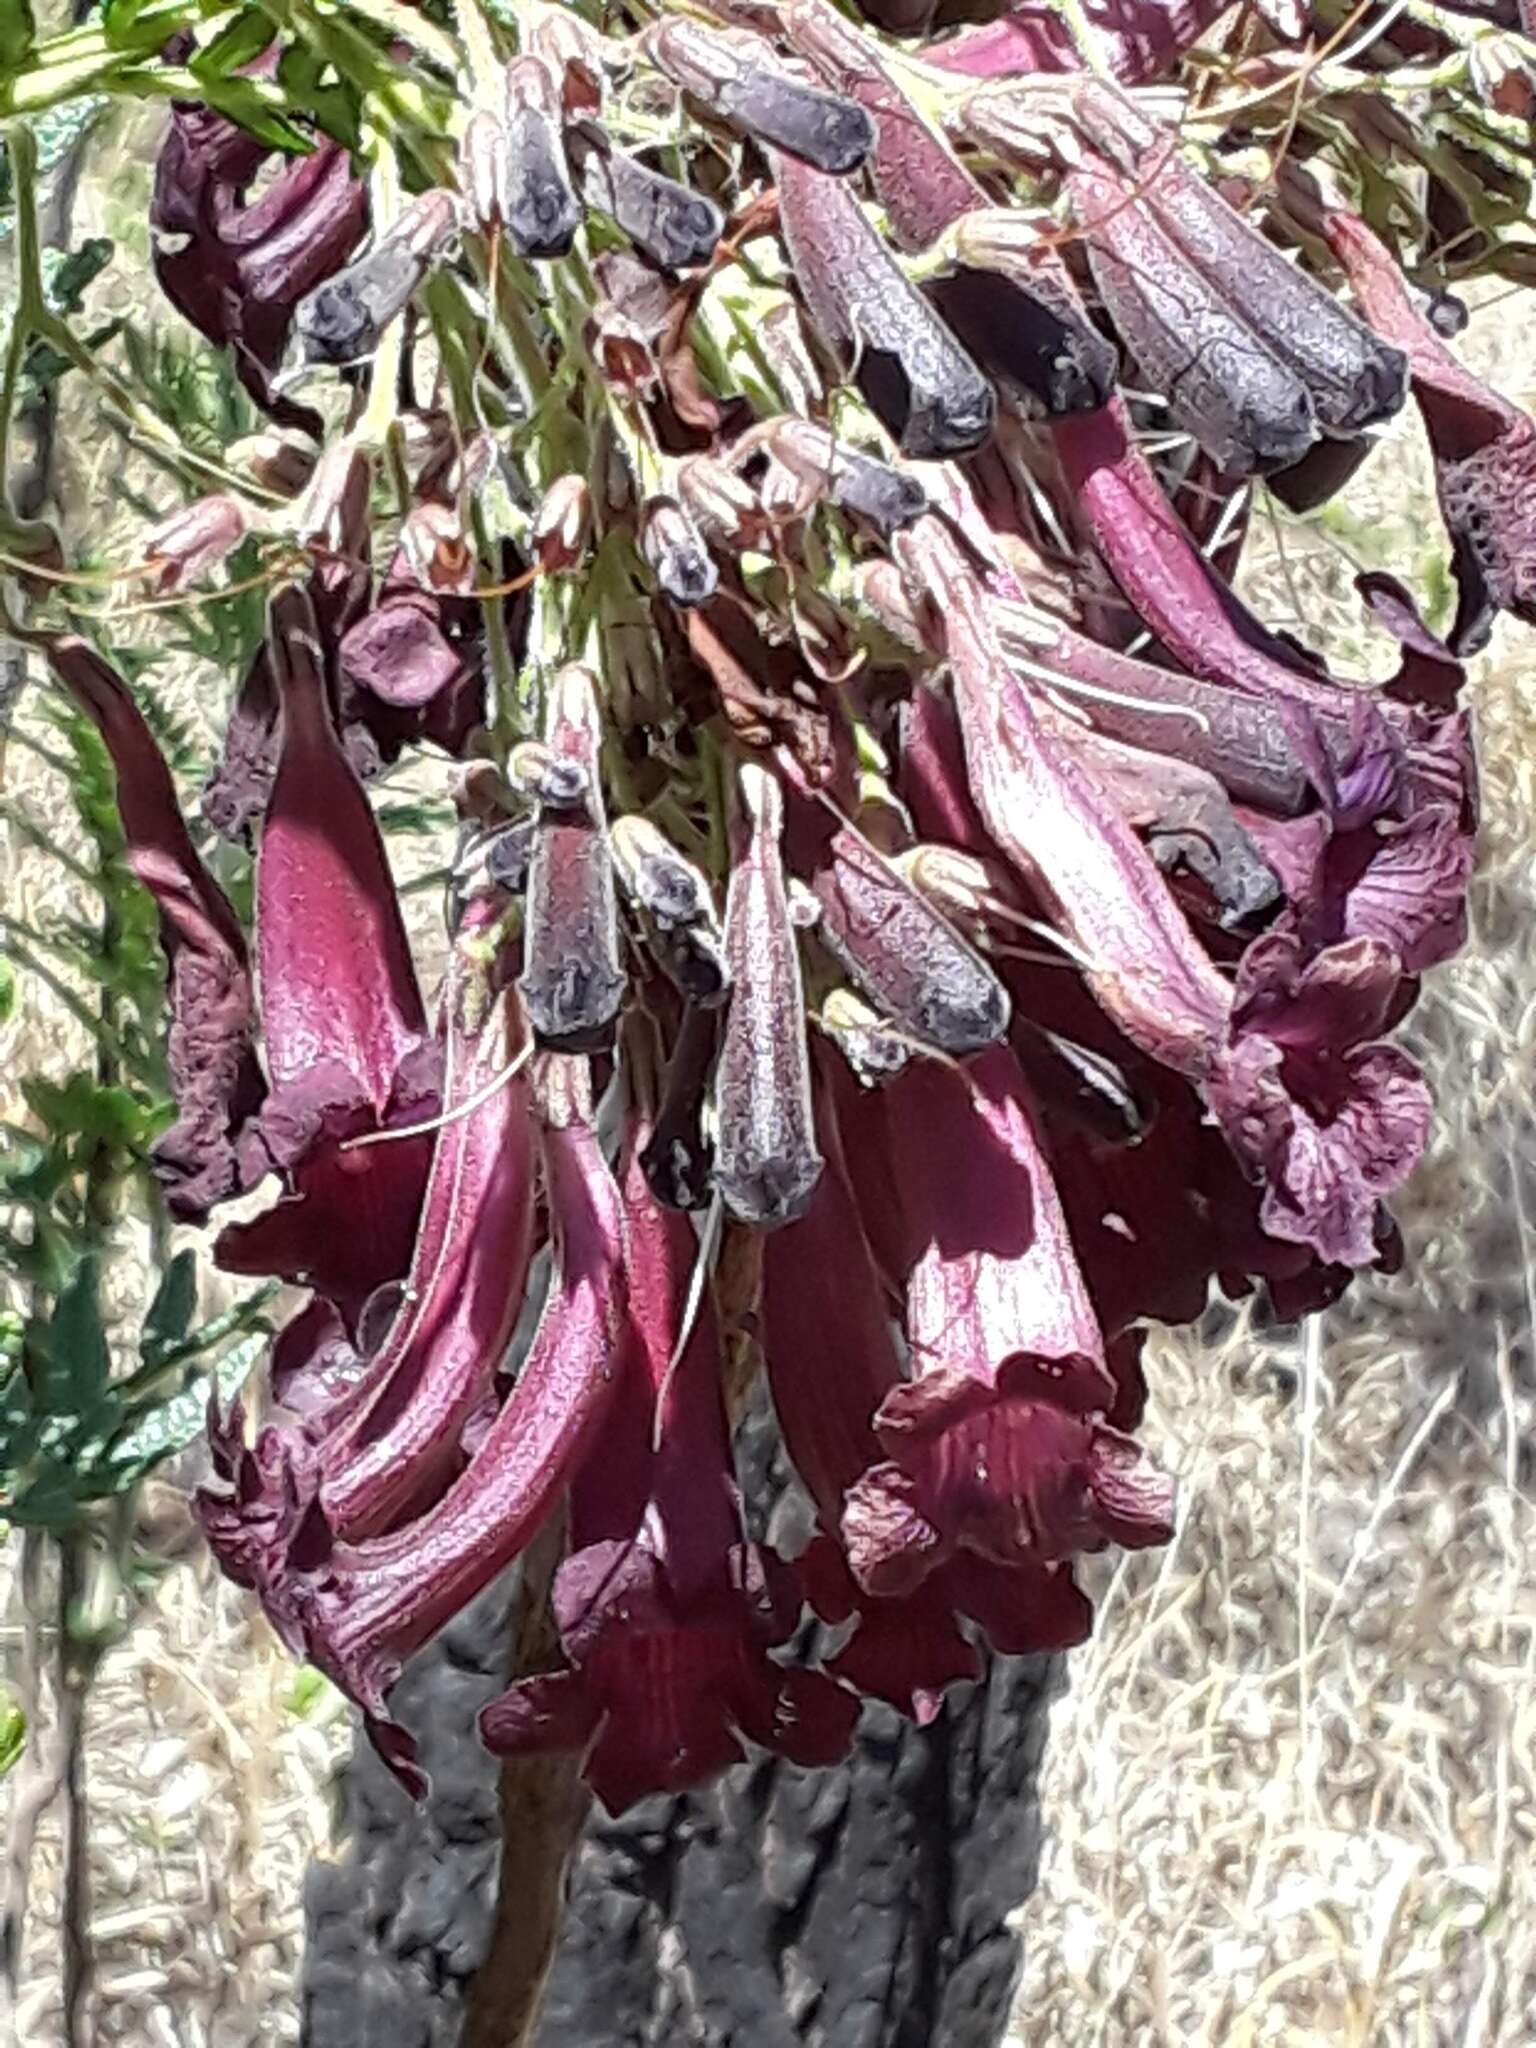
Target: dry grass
x=1290, y=1798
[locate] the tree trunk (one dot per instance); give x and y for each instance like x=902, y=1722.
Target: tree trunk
x=862, y=1907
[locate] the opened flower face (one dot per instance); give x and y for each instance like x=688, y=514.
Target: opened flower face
x=909, y=924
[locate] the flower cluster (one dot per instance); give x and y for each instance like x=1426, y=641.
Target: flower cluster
x=911, y=924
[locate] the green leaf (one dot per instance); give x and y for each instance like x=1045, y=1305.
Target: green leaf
x=175, y=1423
x=309, y=1691
x=7, y=990
x=170, y=1313
x=18, y=32
x=240, y=43
x=13, y=1731
x=67, y=274
x=239, y=100
x=86, y=1108
x=119, y=18
x=79, y=1361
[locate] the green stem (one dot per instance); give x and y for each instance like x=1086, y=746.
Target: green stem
x=21, y=149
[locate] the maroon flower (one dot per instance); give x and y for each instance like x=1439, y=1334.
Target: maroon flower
x=997, y=1443
x=343, y=1030
x=668, y=1616
x=1333, y=1119
x=214, y=1074
x=362, y=1608
x=237, y=267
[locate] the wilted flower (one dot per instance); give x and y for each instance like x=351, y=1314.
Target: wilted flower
x=238, y=267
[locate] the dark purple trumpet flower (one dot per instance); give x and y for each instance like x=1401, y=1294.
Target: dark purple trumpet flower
x=343, y=1030
x=381, y=1422
x=916, y=376
x=1073, y=847
x=666, y=1614
x=824, y=1299
x=1352, y=378
x=1231, y=737
x=1243, y=404
x=1022, y=321
x=236, y=267
x=388, y=1451
x=1333, y=1119
x=215, y=1078
x=997, y=1443
x=1168, y=583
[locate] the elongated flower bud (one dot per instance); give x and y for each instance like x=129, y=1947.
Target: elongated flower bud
x=184, y=547
x=1245, y=408
x=573, y=50
x=916, y=376
x=767, y=1164
x=908, y=960
x=674, y=226
x=732, y=76
x=1352, y=378
x=674, y=897
x=723, y=504
x=573, y=981
x=277, y=461
x=343, y=320
x=484, y=169
x=542, y=211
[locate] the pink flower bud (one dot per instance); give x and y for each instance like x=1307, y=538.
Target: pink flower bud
x=573, y=50
x=562, y=525
x=724, y=505
x=483, y=169
x=276, y=461
x=182, y=549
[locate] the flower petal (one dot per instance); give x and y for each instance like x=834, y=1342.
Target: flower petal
x=213, y=1069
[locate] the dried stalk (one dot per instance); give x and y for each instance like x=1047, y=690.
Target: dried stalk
x=543, y=1807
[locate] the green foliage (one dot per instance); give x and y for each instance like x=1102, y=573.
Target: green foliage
x=309, y=1694
x=13, y=1731
x=18, y=32
x=76, y=1433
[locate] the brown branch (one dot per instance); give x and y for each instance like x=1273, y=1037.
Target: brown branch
x=543, y=1806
